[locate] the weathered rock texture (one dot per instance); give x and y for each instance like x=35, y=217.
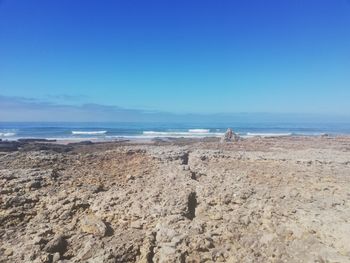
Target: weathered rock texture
x=258, y=200
x=230, y=136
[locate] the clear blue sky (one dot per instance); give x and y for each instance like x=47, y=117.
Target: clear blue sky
x=179, y=56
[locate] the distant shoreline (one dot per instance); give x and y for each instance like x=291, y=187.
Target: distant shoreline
x=100, y=132
x=17, y=143
x=159, y=137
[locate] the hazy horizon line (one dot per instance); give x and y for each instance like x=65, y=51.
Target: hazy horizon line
x=22, y=109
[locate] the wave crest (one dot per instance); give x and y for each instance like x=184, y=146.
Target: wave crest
x=199, y=131
x=88, y=132
x=7, y=134
x=178, y=134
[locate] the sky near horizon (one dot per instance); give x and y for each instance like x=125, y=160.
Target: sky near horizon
x=178, y=56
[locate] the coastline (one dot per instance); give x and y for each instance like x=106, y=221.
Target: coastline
x=78, y=131
x=46, y=143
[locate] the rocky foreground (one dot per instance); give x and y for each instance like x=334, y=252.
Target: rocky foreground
x=256, y=200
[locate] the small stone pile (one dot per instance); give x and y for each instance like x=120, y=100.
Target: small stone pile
x=230, y=136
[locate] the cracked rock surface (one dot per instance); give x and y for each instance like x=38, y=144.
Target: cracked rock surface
x=255, y=200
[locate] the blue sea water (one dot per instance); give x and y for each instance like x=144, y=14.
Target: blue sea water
x=110, y=131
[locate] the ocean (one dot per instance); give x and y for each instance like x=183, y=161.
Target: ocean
x=111, y=131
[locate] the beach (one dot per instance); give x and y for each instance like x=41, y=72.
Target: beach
x=260, y=199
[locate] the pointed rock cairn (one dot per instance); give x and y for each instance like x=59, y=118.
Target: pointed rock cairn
x=230, y=136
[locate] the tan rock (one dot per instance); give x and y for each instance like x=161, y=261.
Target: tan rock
x=252, y=204
x=93, y=225
x=8, y=252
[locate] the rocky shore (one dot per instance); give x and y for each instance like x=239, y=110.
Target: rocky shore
x=253, y=200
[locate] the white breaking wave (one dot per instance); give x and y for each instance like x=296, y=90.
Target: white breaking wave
x=174, y=134
x=251, y=134
x=7, y=134
x=199, y=130
x=157, y=133
x=88, y=132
